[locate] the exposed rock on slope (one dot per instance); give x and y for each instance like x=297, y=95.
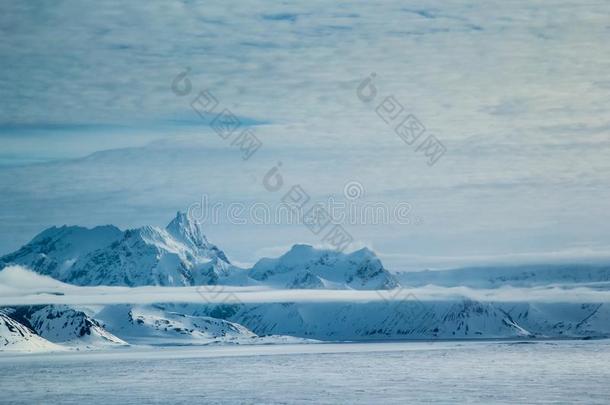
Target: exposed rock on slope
x=64, y=325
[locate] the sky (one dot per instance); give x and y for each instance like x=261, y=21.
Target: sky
x=518, y=93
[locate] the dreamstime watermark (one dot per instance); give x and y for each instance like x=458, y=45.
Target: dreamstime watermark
x=349, y=212
x=405, y=125
x=315, y=217
x=226, y=124
x=321, y=218
x=353, y=190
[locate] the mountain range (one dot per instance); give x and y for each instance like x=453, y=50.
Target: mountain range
x=180, y=255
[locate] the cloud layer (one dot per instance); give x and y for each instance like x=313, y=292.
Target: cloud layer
x=517, y=92
x=19, y=286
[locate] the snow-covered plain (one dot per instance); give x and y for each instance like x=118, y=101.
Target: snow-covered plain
x=388, y=373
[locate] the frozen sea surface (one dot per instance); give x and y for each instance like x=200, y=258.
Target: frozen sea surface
x=440, y=372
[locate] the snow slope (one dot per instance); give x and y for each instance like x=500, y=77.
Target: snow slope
x=414, y=319
x=375, y=321
x=15, y=336
x=66, y=326
x=149, y=324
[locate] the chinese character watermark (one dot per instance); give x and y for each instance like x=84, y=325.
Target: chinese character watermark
x=406, y=126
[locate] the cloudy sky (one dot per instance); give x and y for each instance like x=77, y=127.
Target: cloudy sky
x=517, y=92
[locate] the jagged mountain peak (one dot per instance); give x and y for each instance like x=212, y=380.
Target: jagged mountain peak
x=176, y=255
x=183, y=227
x=188, y=231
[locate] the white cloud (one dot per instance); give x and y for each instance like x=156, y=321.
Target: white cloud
x=18, y=286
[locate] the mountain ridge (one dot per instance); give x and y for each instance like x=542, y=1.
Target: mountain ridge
x=181, y=255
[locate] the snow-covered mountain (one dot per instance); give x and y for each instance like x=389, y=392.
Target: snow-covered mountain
x=15, y=336
x=188, y=324
x=181, y=255
x=63, y=325
x=150, y=256
x=306, y=267
x=412, y=319
x=178, y=255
